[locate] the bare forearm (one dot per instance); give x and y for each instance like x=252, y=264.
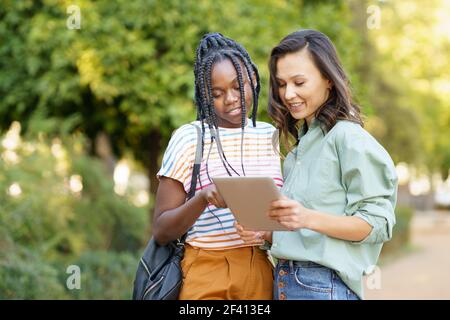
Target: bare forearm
x=340, y=227
x=172, y=224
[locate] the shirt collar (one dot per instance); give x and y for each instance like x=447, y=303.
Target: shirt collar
x=314, y=124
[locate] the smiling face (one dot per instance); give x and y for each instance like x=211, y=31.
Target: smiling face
x=226, y=94
x=301, y=86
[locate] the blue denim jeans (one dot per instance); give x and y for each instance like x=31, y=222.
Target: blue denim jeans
x=298, y=280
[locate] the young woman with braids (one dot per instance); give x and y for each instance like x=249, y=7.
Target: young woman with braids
x=217, y=264
x=340, y=184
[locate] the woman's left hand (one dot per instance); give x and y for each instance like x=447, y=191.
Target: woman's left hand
x=289, y=213
x=252, y=237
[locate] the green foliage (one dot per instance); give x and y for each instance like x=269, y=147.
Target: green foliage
x=105, y=275
x=48, y=224
x=409, y=83
x=129, y=70
x=26, y=275
x=122, y=225
x=128, y=73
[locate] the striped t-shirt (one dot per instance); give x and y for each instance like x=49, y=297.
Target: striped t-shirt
x=214, y=229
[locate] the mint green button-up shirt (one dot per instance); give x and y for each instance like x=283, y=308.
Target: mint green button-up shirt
x=341, y=172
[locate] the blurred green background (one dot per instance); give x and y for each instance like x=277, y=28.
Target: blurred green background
x=85, y=115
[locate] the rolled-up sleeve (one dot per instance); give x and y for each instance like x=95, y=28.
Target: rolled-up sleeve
x=370, y=180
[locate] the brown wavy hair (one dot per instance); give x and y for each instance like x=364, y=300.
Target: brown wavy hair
x=339, y=105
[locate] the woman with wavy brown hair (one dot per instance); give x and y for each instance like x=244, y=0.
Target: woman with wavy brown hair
x=340, y=185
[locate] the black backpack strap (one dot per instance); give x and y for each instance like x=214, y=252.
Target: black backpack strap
x=195, y=171
x=197, y=163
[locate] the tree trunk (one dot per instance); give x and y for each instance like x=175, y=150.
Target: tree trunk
x=151, y=151
x=103, y=150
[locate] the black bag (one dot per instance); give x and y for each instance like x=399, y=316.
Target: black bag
x=159, y=275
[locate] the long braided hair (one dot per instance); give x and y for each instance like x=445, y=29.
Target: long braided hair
x=214, y=48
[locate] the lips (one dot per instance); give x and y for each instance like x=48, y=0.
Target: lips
x=296, y=107
x=235, y=111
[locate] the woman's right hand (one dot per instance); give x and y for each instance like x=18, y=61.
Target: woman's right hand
x=253, y=237
x=212, y=196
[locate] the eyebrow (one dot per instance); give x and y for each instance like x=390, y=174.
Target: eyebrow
x=294, y=76
x=234, y=80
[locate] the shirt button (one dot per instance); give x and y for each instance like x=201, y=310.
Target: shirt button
x=282, y=273
x=280, y=285
x=282, y=296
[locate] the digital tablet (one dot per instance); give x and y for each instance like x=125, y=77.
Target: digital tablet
x=249, y=199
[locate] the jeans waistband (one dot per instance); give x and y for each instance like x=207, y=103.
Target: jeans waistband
x=298, y=263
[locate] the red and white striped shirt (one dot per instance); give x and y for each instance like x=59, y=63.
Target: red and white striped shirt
x=214, y=229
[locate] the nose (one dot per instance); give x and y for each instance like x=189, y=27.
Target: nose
x=231, y=97
x=290, y=93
